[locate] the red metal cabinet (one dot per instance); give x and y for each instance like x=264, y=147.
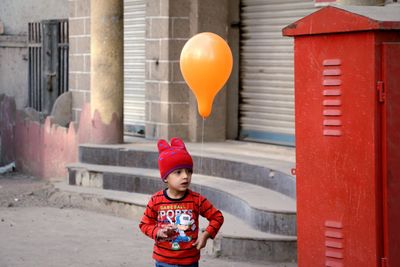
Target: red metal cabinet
x=347, y=106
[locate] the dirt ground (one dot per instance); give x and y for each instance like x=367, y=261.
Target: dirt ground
x=37, y=231
x=20, y=190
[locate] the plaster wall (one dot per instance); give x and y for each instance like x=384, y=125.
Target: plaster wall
x=15, y=16
x=14, y=68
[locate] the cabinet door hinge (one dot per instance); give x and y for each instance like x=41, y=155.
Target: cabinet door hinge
x=381, y=91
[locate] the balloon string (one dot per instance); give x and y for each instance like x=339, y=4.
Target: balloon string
x=202, y=149
x=202, y=144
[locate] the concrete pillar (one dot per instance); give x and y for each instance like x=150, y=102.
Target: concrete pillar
x=362, y=2
x=106, y=71
x=171, y=108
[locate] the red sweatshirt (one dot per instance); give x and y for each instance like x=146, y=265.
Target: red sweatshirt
x=184, y=213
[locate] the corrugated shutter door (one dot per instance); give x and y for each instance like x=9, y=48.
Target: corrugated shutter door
x=266, y=69
x=134, y=66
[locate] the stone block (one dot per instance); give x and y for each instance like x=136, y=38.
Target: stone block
x=176, y=72
x=164, y=8
x=83, y=8
x=159, y=28
x=152, y=92
x=179, y=8
x=83, y=81
x=151, y=130
x=148, y=110
x=72, y=8
x=72, y=81
x=87, y=26
x=148, y=28
x=180, y=130
x=174, y=47
x=77, y=99
x=153, y=7
x=160, y=112
x=177, y=92
x=147, y=70
x=159, y=71
x=86, y=64
x=153, y=49
x=71, y=177
x=72, y=45
x=76, y=63
x=213, y=16
x=62, y=109
x=89, y=179
x=83, y=45
x=87, y=97
x=180, y=113
x=180, y=28
x=156, y=131
x=76, y=27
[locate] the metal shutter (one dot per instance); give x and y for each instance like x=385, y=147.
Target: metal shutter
x=134, y=66
x=267, y=69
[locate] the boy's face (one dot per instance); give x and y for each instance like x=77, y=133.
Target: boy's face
x=179, y=180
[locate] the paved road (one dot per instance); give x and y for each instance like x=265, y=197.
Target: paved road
x=35, y=232
x=52, y=237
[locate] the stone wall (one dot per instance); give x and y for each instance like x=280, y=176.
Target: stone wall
x=210, y=16
x=167, y=103
x=171, y=108
x=79, y=54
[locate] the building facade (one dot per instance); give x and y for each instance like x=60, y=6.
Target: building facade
x=123, y=65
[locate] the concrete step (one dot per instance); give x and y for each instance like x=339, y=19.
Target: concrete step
x=236, y=239
x=258, y=164
x=261, y=208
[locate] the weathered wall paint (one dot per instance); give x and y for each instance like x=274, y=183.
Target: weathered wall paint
x=44, y=149
x=7, y=124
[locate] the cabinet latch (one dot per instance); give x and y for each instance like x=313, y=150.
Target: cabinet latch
x=381, y=91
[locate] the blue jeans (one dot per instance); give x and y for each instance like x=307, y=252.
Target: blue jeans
x=162, y=264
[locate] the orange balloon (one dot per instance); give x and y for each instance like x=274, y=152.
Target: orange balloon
x=206, y=63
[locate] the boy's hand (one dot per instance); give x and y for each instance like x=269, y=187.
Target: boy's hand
x=166, y=231
x=201, y=240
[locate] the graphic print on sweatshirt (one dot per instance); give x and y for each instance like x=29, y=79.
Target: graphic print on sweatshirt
x=179, y=216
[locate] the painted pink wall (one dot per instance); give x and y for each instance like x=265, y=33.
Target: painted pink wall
x=44, y=150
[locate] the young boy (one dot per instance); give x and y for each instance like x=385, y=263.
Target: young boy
x=171, y=217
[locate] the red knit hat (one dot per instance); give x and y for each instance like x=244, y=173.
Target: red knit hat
x=172, y=157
